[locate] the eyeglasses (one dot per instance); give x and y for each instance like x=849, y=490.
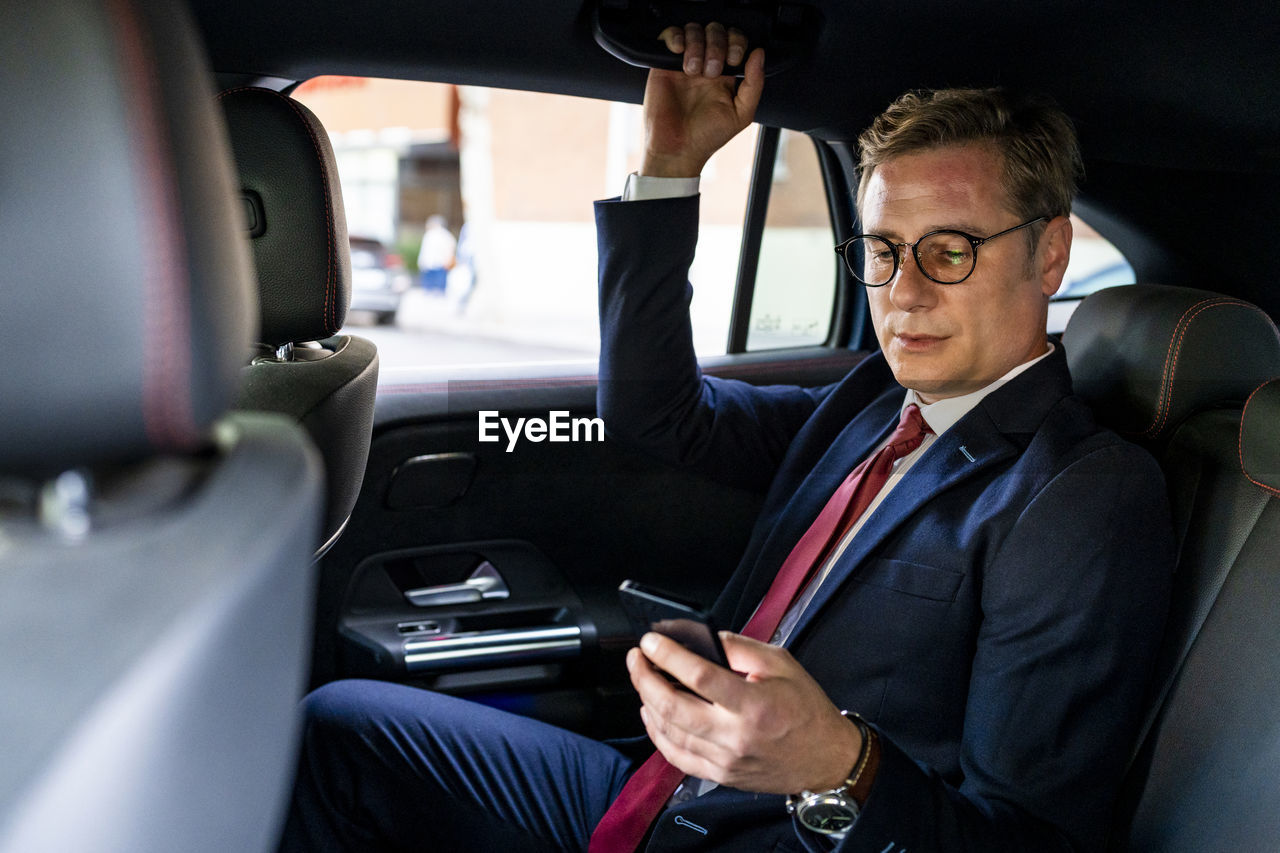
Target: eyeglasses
x=947, y=257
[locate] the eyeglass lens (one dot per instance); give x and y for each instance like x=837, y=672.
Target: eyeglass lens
x=946, y=257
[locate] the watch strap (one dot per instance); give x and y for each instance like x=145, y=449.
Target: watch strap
x=859, y=785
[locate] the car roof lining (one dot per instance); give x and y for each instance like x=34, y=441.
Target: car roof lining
x=1190, y=84
x=1175, y=104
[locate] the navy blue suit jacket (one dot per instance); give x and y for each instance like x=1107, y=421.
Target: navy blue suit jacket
x=997, y=616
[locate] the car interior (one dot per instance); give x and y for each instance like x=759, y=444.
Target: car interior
x=155, y=629
x=213, y=496
x=288, y=178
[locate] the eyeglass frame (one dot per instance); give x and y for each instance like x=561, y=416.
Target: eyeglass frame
x=842, y=249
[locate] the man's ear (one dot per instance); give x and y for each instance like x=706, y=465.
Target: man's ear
x=1055, y=251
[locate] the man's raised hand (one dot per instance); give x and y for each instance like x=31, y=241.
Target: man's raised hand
x=690, y=114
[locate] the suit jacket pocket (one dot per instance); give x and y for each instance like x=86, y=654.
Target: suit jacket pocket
x=914, y=579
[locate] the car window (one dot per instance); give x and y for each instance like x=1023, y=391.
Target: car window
x=507, y=271
x=796, y=276
x=1095, y=263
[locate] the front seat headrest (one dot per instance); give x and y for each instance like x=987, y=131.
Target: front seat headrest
x=1260, y=438
x=1146, y=356
x=126, y=300
x=293, y=203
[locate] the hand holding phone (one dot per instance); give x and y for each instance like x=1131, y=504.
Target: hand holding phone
x=681, y=620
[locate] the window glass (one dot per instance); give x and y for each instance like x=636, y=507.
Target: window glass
x=796, y=277
x=507, y=270
x=1095, y=264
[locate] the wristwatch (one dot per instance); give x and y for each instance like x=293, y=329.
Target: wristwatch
x=835, y=811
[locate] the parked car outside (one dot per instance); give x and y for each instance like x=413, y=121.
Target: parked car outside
x=378, y=279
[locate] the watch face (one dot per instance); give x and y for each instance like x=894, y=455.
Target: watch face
x=827, y=815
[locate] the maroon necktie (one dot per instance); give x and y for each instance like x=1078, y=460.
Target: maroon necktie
x=651, y=786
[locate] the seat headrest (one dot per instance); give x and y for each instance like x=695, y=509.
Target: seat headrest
x=1260, y=438
x=290, y=189
x=126, y=295
x=1145, y=356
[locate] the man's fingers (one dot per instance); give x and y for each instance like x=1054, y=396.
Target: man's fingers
x=707, y=49
x=747, y=655
x=711, y=681
x=687, y=760
x=653, y=686
x=752, y=86
x=721, y=46
x=669, y=709
x=737, y=46
x=717, y=48
x=695, y=49
x=673, y=38
x=688, y=751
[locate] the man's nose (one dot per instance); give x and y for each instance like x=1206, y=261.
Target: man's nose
x=910, y=289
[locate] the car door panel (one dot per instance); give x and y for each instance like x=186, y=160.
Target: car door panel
x=562, y=523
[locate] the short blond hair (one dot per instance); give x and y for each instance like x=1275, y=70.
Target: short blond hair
x=1034, y=138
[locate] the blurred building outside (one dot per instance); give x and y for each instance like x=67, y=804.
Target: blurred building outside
x=522, y=170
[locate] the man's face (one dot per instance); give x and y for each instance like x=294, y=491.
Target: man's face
x=944, y=340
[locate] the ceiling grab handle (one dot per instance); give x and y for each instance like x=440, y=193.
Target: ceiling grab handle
x=628, y=29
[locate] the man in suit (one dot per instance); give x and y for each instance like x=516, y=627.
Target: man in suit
x=990, y=607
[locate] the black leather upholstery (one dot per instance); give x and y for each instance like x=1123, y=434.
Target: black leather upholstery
x=304, y=275
x=154, y=632
x=156, y=315
x=1207, y=776
x=1146, y=356
x=1260, y=439
x=333, y=398
x=1173, y=368
x=288, y=173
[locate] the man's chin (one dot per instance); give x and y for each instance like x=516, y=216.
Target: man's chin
x=930, y=389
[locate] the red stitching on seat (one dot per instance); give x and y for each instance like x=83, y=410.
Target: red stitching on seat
x=166, y=384
x=1164, y=404
x=1240, y=442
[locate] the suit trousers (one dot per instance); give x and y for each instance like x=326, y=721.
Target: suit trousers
x=389, y=767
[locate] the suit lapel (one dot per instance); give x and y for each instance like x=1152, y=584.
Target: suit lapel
x=977, y=442
x=943, y=465
x=806, y=495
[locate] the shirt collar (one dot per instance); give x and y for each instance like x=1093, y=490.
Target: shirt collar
x=942, y=415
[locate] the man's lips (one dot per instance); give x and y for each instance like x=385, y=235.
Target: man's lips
x=917, y=343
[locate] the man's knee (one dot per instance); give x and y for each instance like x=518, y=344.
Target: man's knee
x=335, y=705
x=343, y=712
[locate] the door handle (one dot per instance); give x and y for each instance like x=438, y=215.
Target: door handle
x=485, y=584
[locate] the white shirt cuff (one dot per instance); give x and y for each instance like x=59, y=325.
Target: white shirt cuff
x=645, y=188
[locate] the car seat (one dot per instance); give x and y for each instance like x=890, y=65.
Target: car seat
x=293, y=206
x=1180, y=370
x=155, y=573
x=1207, y=776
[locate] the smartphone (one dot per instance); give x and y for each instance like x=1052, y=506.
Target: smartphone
x=681, y=620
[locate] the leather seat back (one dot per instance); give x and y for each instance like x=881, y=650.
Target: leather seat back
x=1207, y=776
x=297, y=226
x=154, y=632
x=1173, y=368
